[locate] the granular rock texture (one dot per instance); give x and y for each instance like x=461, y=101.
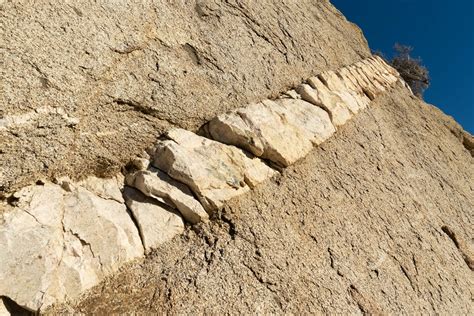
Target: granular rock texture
x=86, y=85
x=103, y=216
x=378, y=219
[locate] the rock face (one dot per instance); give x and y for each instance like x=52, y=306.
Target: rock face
x=58, y=243
x=157, y=224
x=85, y=233
x=90, y=86
x=283, y=131
x=214, y=171
x=378, y=219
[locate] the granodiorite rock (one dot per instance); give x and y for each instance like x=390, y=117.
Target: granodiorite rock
x=58, y=243
x=73, y=234
x=156, y=184
x=214, y=171
x=318, y=94
x=157, y=224
x=282, y=131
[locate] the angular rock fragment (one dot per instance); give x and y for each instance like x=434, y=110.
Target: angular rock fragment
x=59, y=243
x=105, y=188
x=156, y=184
x=386, y=70
x=337, y=86
x=313, y=121
x=291, y=94
x=386, y=66
x=318, y=94
x=378, y=74
x=31, y=239
x=104, y=225
x=282, y=131
x=140, y=163
x=157, y=224
x=369, y=76
x=363, y=82
x=213, y=171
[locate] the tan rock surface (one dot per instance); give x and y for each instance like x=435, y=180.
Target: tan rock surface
x=213, y=171
x=356, y=227
x=126, y=71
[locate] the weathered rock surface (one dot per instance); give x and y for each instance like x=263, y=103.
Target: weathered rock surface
x=156, y=184
x=157, y=223
x=318, y=94
x=214, y=171
x=57, y=243
x=376, y=220
x=282, y=131
x=87, y=233
x=126, y=71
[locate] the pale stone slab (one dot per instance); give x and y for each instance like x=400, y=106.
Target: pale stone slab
x=213, y=171
x=59, y=243
x=312, y=120
x=337, y=85
x=156, y=223
x=379, y=75
x=105, y=188
x=386, y=70
x=363, y=82
x=386, y=66
x=282, y=131
x=318, y=94
x=292, y=94
x=156, y=184
x=370, y=76
x=31, y=239
x=103, y=224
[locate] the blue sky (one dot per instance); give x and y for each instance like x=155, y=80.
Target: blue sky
x=442, y=33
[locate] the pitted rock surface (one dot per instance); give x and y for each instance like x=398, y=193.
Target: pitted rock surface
x=114, y=74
